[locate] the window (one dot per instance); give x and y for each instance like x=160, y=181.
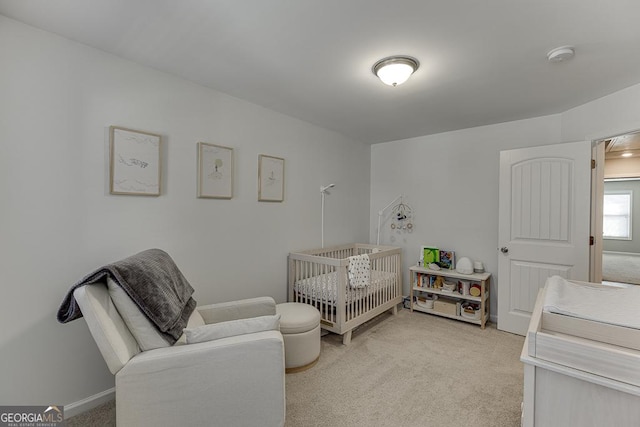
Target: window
x=617, y=215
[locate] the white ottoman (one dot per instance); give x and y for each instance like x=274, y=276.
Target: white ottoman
x=300, y=328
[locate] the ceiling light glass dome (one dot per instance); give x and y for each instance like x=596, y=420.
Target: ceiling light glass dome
x=395, y=70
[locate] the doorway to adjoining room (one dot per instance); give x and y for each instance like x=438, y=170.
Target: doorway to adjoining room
x=621, y=210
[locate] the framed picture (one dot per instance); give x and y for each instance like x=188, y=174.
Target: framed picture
x=134, y=162
x=270, y=179
x=215, y=171
x=430, y=255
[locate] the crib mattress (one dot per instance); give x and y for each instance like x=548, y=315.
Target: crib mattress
x=324, y=287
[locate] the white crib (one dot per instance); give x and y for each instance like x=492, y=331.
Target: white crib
x=319, y=277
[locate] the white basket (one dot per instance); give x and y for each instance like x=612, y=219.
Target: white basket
x=449, y=287
x=474, y=316
x=428, y=304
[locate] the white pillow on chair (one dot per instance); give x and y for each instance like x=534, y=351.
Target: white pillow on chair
x=215, y=331
x=139, y=325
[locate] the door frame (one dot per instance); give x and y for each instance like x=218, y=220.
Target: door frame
x=597, y=201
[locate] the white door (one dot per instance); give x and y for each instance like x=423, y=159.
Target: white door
x=544, y=216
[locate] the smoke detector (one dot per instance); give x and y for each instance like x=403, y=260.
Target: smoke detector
x=561, y=54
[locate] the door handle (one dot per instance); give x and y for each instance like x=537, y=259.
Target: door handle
x=504, y=250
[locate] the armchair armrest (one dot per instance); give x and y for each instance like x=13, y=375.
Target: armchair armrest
x=239, y=380
x=241, y=309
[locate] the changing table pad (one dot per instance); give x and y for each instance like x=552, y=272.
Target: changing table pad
x=606, y=304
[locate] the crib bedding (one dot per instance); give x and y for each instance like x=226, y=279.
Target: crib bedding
x=324, y=287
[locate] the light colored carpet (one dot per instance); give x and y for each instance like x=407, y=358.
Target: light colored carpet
x=100, y=416
x=621, y=268
x=408, y=370
x=412, y=369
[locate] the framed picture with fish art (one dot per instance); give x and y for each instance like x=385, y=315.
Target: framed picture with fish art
x=134, y=162
x=215, y=171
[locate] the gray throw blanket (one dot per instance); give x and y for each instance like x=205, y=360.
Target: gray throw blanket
x=153, y=281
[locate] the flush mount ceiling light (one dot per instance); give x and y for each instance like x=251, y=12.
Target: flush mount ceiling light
x=561, y=54
x=395, y=70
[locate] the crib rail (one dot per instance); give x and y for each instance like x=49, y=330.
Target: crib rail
x=350, y=307
x=382, y=290
x=301, y=268
x=345, y=251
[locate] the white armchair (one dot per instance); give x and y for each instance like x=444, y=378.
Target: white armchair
x=232, y=381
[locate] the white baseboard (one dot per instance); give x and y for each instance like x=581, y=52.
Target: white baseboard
x=621, y=253
x=90, y=402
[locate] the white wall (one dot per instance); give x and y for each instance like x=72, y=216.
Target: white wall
x=451, y=182
x=58, y=222
x=610, y=115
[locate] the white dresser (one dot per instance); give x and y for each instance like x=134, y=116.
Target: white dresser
x=579, y=372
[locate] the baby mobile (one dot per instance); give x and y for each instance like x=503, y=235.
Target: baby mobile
x=401, y=216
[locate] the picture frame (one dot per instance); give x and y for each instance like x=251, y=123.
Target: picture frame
x=215, y=171
x=134, y=162
x=429, y=255
x=270, y=178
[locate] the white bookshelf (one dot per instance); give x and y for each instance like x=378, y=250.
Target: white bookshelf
x=421, y=275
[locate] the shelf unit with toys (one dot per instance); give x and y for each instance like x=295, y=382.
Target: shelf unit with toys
x=443, y=293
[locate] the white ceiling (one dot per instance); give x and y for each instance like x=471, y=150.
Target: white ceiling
x=482, y=61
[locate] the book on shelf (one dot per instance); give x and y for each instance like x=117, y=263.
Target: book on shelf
x=446, y=259
x=432, y=281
